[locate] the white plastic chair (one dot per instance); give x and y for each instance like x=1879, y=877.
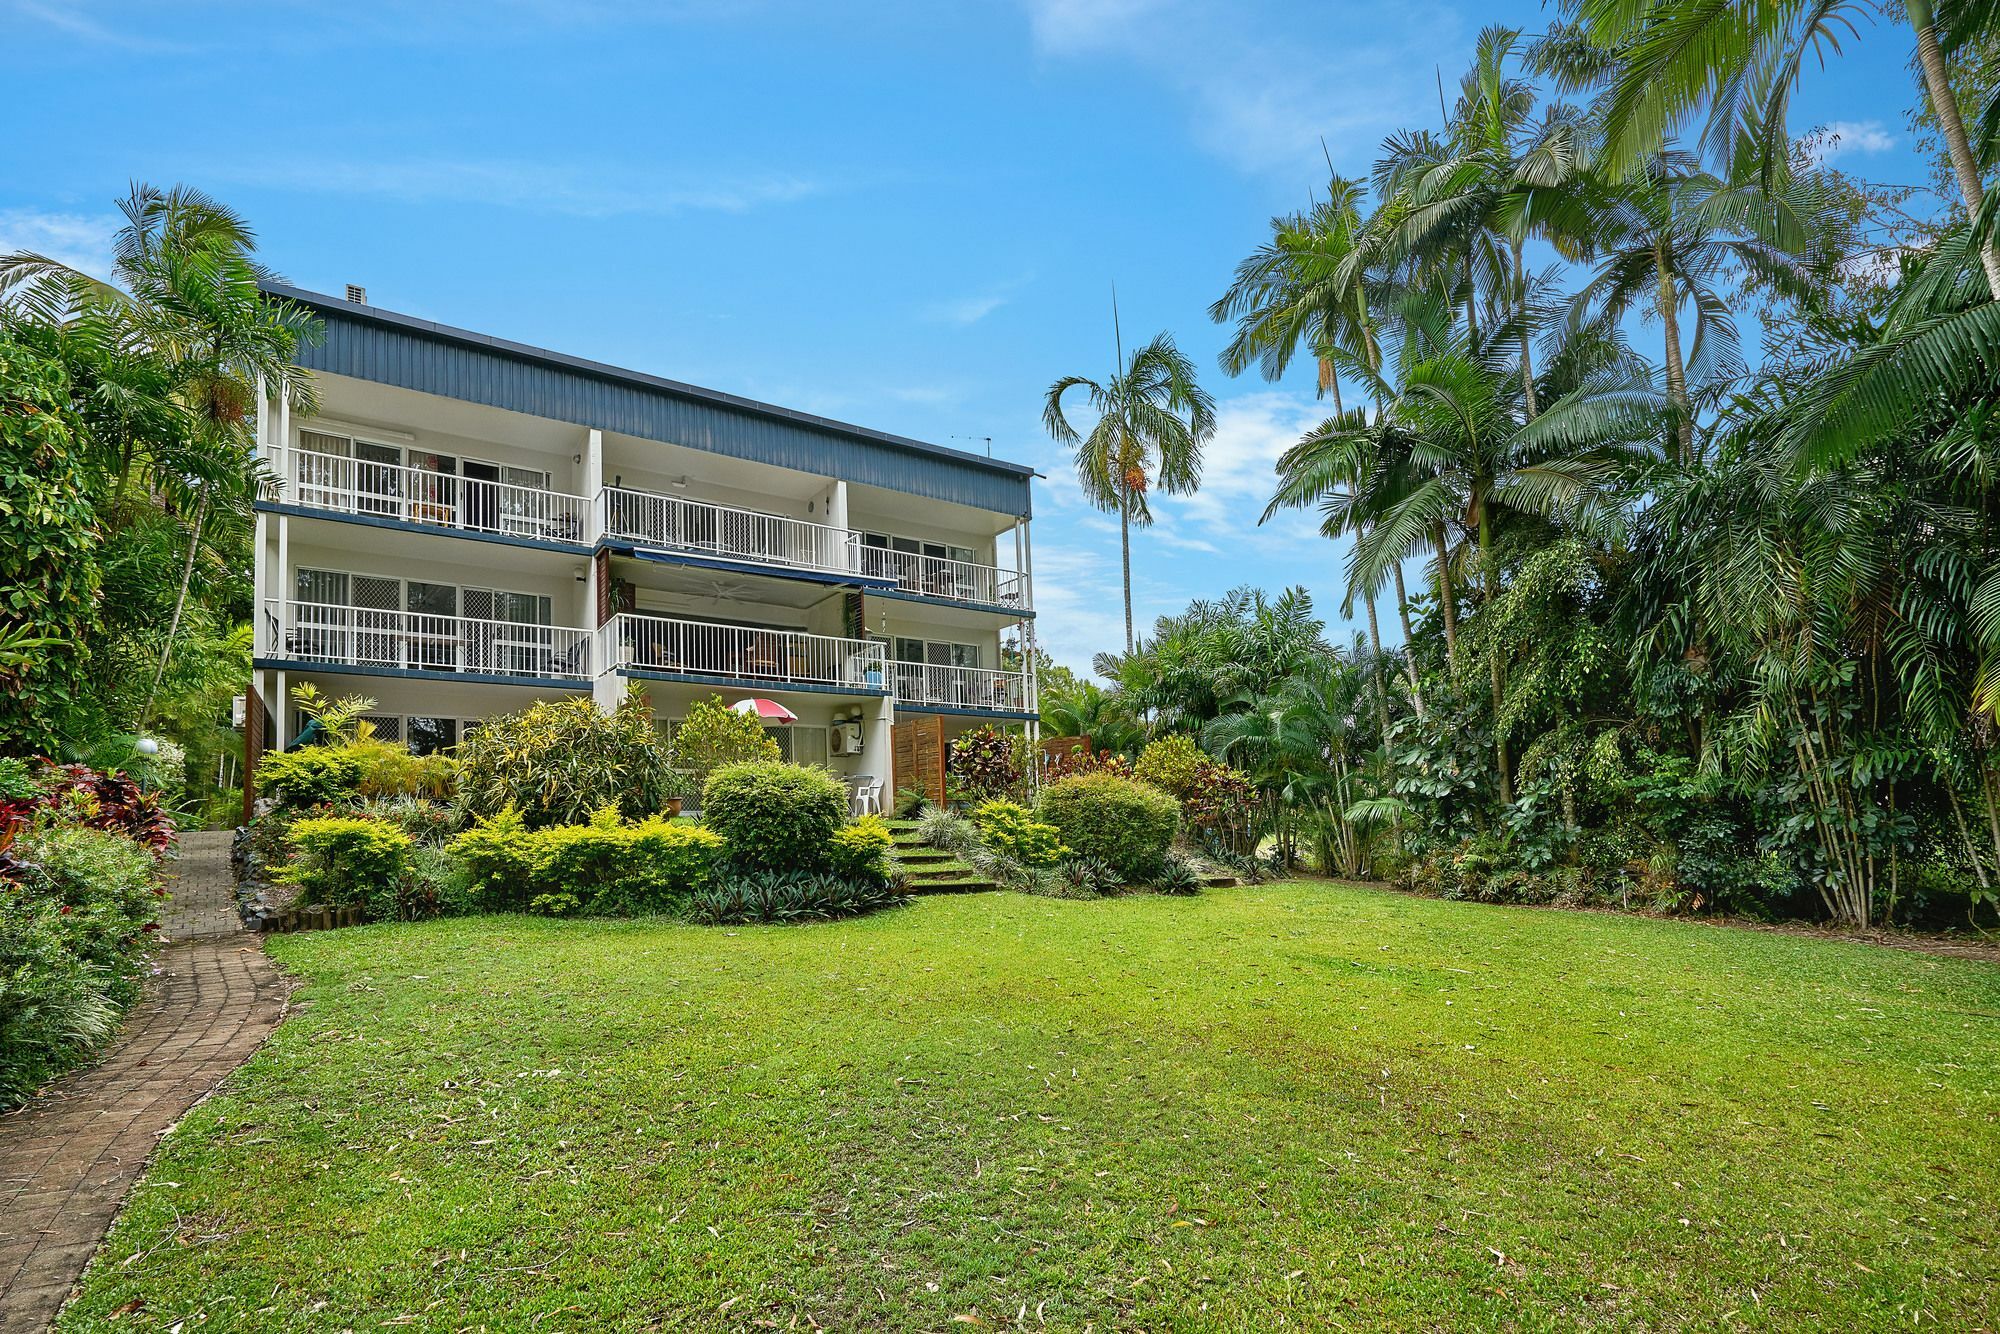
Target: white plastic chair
x=864, y=794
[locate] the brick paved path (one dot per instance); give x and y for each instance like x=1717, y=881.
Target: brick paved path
x=69, y=1157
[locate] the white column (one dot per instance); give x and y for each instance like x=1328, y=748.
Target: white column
x=283, y=582
x=1025, y=561
x=836, y=517
x=593, y=483
x=280, y=707
x=878, y=748
x=281, y=449
x=261, y=582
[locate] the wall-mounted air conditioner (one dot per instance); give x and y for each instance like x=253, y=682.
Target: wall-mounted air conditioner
x=844, y=739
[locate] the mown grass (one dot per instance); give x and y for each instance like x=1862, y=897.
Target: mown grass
x=1293, y=1106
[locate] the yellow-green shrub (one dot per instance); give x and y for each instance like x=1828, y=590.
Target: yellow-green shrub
x=1010, y=828
x=347, y=862
x=860, y=849
x=604, y=868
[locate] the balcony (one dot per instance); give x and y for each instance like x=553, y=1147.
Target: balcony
x=748, y=654
x=675, y=523
x=361, y=637
x=977, y=688
x=940, y=577
x=417, y=495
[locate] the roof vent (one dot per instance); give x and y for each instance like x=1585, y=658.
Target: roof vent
x=357, y=294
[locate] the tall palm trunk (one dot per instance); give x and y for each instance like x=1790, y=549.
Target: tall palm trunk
x=1409, y=642
x=1381, y=676
x=1944, y=104
x=1125, y=557
x=180, y=608
x=1491, y=579
x=1528, y=404
x=1677, y=389
x=1447, y=600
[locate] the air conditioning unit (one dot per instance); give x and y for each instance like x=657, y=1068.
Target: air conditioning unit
x=844, y=739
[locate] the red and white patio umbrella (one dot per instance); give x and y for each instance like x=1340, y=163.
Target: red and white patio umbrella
x=766, y=710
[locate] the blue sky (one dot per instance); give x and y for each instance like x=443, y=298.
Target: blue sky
x=907, y=215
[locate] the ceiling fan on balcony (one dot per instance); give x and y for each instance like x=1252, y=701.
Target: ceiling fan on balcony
x=727, y=588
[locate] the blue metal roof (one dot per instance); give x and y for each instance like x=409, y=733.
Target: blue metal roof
x=367, y=343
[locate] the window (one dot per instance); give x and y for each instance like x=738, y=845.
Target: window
x=428, y=736
x=800, y=743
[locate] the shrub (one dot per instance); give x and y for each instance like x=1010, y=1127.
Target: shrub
x=945, y=830
x=1214, y=798
x=776, y=817
x=713, y=736
x=426, y=822
x=76, y=919
x=862, y=849
x=558, y=761
x=498, y=856
x=787, y=896
x=1172, y=764
x=310, y=775
x=981, y=764
x=1011, y=828
x=1084, y=878
x=385, y=770
x=436, y=886
x=604, y=868
x=1178, y=874
x=347, y=861
x=1126, y=824
x=75, y=794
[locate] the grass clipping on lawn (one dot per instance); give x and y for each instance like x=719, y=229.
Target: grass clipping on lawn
x=1306, y=1104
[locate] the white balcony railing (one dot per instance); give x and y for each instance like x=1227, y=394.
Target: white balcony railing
x=418, y=495
x=778, y=657
x=676, y=523
x=960, y=687
x=361, y=637
x=939, y=577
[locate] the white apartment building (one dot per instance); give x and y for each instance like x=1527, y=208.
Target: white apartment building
x=468, y=525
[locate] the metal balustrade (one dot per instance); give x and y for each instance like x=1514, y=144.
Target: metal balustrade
x=960, y=687
x=363, y=637
x=676, y=523
x=700, y=648
x=941, y=577
x=418, y=495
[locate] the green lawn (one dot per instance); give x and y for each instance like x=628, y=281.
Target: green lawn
x=1301, y=1106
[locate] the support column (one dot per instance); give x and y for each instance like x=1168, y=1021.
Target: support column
x=1024, y=555
x=593, y=487
x=878, y=748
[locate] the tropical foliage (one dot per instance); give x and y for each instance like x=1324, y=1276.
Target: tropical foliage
x=128, y=405
x=1676, y=629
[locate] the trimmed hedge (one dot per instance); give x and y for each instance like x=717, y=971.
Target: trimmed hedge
x=862, y=850
x=776, y=817
x=1011, y=829
x=605, y=868
x=1127, y=825
x=348, y=861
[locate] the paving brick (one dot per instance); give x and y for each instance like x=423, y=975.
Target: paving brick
x=68, y=1159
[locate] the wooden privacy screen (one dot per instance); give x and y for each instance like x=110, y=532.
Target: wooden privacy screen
x=917, y=748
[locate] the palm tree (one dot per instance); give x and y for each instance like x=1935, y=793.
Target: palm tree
x=185, y=294
x=1152, y=421
x=1741, y=62
x=1097, y=716
x=1672, y=236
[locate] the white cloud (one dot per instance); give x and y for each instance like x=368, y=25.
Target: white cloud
x=1844, y=138
x=965, y=310
x=82, y=241
x=1264, y=89
x=576, y=190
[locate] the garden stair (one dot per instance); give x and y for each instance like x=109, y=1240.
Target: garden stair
x=933, y=870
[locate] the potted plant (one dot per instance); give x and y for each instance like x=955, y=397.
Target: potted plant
x=676, y=787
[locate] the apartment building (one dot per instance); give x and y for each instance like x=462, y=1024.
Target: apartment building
x=467, y=525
